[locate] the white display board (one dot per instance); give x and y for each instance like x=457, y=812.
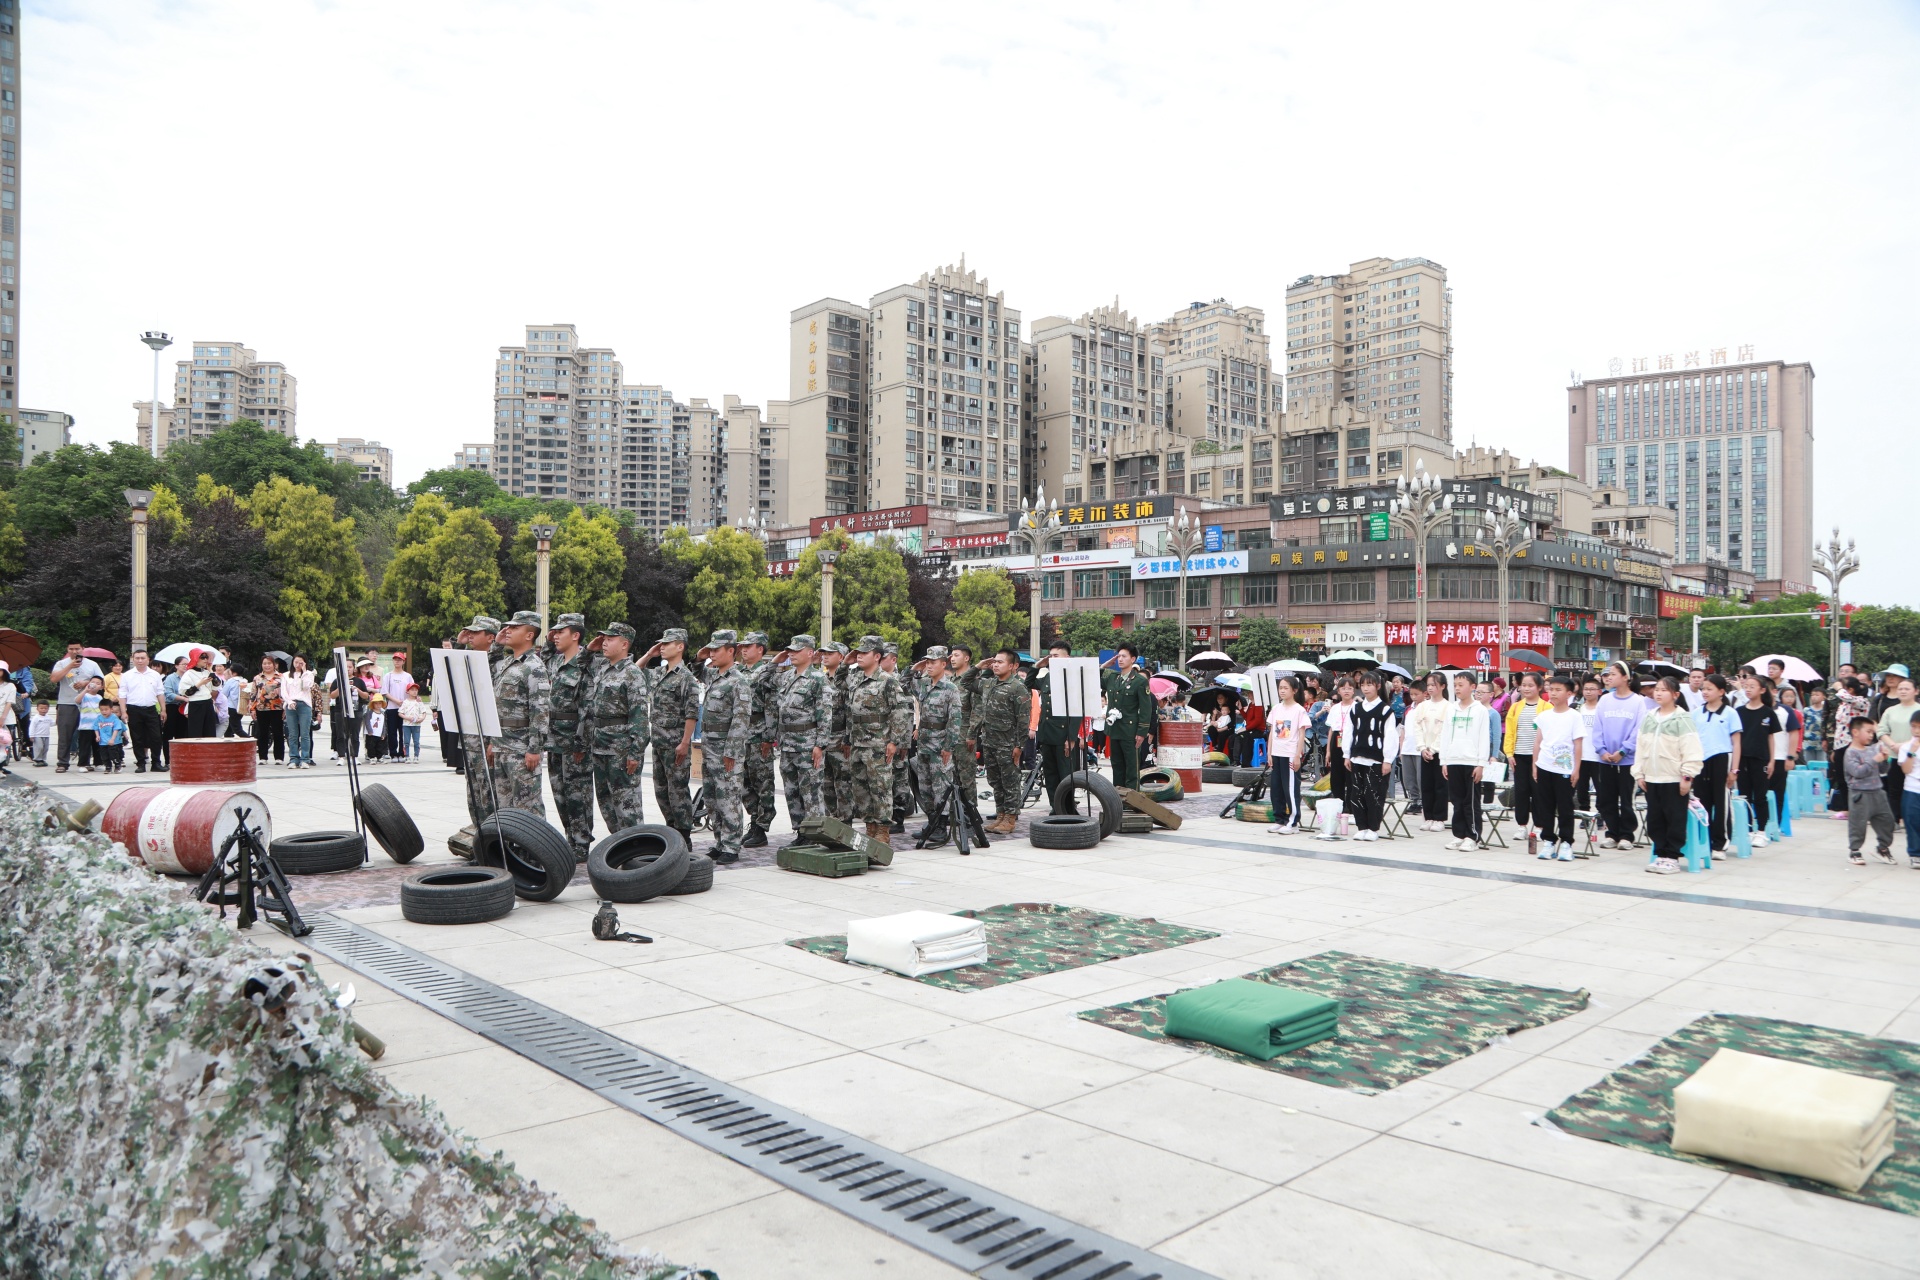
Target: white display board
x=1074, y=685
x=463, y=689
x=1266, y=686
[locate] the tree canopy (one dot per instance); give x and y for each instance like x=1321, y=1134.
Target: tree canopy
x=1086, y=632
x=81, y=483
x=445, y=569
x=983, y=616
x=246, y=455
x=727, y=583
x=655, y=587
x=323, y=581
x=584, y=567
x=459, y=487
x=871, y=594
x=1262, y=640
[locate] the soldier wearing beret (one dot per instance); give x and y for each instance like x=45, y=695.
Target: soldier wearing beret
x=570, y=672
x=674, y=697
x=802, y=708
x=617, y=720
x=520, y=691
x=725, y=733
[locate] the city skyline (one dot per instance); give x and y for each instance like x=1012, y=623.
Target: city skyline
x=1548, y=277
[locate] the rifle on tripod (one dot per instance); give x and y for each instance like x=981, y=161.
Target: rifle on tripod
x=258, y=883
x=1249, y=794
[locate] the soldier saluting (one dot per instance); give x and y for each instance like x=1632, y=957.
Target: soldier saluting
x=839, y=781
x=675, y=697
x=520, y=691
x=762, y=675
x=616, y=705
x=938, y=743
x=570, y=672
x=801, y=708
x=879, y=718
x=726, y=730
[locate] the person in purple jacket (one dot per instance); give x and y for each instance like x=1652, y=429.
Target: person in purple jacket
x=1616, y=729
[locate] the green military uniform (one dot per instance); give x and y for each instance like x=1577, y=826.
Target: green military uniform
x=878, y=715
x=1129, y=714
x=903, y=805
x=472, y=746
x=726, y=730
x=617, y=721
x=800, y=713
x=839, y=780
x=1058, y=735
x=1005, y=710
x=763, y=749
x=940, y=741
x=569, y=763
x=966, y=763
x=520, y=691
x=675, y=697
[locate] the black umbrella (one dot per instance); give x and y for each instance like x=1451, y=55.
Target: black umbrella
x=1531, y=657
x=1395, y=669
x=1348, y=660
x=280, y=656
x=1655, y=667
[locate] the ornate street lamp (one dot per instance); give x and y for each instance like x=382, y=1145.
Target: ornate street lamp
x=827, y=559
x=1037, y=523
x=1504, y=534
x=1835, y=564
x=139, y=500
x=543, y=552
x=1421, y=510
x=1184, y=537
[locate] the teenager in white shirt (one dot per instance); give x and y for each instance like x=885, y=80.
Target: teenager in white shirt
x=1466, y=745
x=1425, y=725
x=1287, y=725
x=1558, y=743
x=1588, y=708
x=1339, y=720
x=1371, y=741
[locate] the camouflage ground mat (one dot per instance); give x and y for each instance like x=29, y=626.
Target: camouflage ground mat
x=1027, y=939
x=1397, y=1023
x=1633, y=1107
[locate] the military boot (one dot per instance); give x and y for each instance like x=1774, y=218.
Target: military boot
x=977, y=826
x=756, y=838
x=878, y=831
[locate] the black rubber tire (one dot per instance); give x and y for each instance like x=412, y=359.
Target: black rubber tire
x=699, y=877
x=460, y=843
x=314, y=853
x=1247, y=777
x=1216, y=773
x=1101, y=788
x=456, y=895
x=1064, y=831
x=1136, y=824
x=637, y=863
x=389, y=823
x=538, y=857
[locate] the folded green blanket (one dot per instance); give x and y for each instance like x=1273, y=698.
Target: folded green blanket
x=1259, y=1019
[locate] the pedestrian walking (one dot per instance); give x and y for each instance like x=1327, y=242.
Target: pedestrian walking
x=110, y=737
x=40, y=732
x=1849, y=703
x=396, y=684
x=143, y=691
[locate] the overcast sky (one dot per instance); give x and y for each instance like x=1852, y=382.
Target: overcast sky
x=382, y=193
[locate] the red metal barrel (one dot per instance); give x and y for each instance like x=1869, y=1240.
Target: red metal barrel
x=177, y=830
x=216, y=762
x=1181, y=743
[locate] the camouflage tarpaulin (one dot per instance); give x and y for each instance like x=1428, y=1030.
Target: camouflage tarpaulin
x=178, y=1101
x=1634, y=1105
x=1398, y=1021
x=1027, y=939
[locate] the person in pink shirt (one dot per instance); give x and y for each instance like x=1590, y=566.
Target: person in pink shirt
x=1287, y=725
x=396, y=685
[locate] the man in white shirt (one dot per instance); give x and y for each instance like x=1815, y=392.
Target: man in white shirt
x=142, y=693
x=1559, y=745
x=396, y=684
x=70, y=676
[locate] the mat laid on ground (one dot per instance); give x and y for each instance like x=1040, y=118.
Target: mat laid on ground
x=1260, y=1019
x=1633, y=1107
x=1397, y=1021
x=1027, y=939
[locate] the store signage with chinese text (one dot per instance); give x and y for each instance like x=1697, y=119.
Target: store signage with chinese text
x=1573, y=621
x=1311, y=634
x=1356, y=635
x=1339, y=556
x=782, y=568
x=1524, y=634
x=1107, y=557
x=1344, y=502
x=869, y=521
x=1676, y=604
x=1651, y=575
x=1379, y=527
x=1645, y=628
x=1211, y=539
x=1197, y=566
x=962, y=541
x=1109, y=512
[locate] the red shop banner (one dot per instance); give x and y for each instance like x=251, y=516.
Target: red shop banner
x=1523, y=634
x=1484, y=656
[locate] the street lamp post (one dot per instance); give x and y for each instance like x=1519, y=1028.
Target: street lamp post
x=1504, y=535
x=1184, y=538
x=543, y=552
x=139, y=500
x=159, y=342
x=827, y=559
x=1038, y=522
x=1421, y=509
x=1835, y=564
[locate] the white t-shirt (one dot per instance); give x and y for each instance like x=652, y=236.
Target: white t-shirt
x=1587, y=713
x=1557, y=739
x=1907, y=753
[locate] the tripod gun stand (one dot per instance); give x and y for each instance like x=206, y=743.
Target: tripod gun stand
x=258, y=883
x=1249, y=794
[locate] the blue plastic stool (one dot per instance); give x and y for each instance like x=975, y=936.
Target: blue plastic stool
x=1772, y=828
x=1786, y=815
x=1740, y=818
x=1259, y=752
x=1697, y=851
x=1799, y=792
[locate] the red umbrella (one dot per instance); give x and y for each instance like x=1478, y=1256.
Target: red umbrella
x=17, y=648
x=99, y=654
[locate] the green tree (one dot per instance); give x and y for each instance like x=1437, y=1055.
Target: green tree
x=983, y=616
x=323, y=584
x=375, y=534
x=13, y=543
x=166, y=511
x=77, y=483
x=584, y=567
x=1159, y=642
x=1730, y=645
x=460, y=487
x=1086, y=632
x=445, y=569
x=871, y=593
x=246, y=455
x=727, y=583
x=1883, y=635
x=656, y=587
x=1262, y=640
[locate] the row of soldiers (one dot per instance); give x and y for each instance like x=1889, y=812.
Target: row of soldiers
x=848, y=732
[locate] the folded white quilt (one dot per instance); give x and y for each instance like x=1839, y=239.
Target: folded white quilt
x=1826, y=1125
x=917, y=942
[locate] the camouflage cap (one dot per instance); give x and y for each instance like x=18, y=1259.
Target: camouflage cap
x=871, y=644
x=755, y=637
x=934, y=653
x=722, y=640
x=799, y=643
x=834, y=646
x=524, y=618
x=481, y=622
x=892, y=650
x=673, y=635
x=577, y=621
x=620, y=629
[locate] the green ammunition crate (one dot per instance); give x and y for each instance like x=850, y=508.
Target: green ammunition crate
x=815, y=861
x=835, y=834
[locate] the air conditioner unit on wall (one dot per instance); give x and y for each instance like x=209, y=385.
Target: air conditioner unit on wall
x=1152, y=614
x=1233, y=613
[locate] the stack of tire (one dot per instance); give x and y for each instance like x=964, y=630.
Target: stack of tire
x=516, y=855
x=313, y=853
x=646, y=862
x=1066, y=827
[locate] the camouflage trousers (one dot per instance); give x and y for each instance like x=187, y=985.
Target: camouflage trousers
x=839, y=785
x=517, y=786
x=723, y=789
x=936, y=781
x=806, y=796
x=570, y=776
x=479, y=803
x=622, y=803
x=673, y=786
x=1003, y=775
x=966, y=773
x=759, y=783
x=903, y=783
x=872, y=780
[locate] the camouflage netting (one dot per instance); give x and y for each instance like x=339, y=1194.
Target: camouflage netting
x=160, y=1118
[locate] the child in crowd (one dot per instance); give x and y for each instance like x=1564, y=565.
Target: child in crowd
x=86, y=737
x=1287, y=727
x=1719, y=727
x=1372, y=739
x=375, y=728
x=40, y=731
x=1666, y=759
x=1466, y=746
x=1426, y=726
x=1909, y=763
x=1558, y=745
x=1519, y=743
x=1867, y=794
x=1589, y=708
x=413, y=714
x=110, y=732
x=1407, y=765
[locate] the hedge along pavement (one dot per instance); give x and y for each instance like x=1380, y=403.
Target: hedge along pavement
x=157, y=1122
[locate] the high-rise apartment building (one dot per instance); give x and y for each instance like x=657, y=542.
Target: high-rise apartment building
x=1728, y=446
x=43, y=431
x=1219, y=372
x=145, y=419
x=1096, y=383
x=1379, y=338
x=223, y=383
x=374, y=459
x=473, y=457
x=914, y=398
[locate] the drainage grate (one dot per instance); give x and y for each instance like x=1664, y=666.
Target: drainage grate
x=959, y=1222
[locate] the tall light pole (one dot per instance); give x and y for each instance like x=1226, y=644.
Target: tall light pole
x=1504, y=535
x=542, y=553
x=827, y=559
x=1420, y=510
x=139, y=500
x=1835, y=565
x=1038, y=522
x=1185, y=537
x=159, y=342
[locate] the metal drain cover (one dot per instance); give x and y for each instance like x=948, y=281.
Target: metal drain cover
x=960, y=1222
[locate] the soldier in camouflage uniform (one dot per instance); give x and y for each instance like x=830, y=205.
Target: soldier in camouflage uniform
x=802, y=707
x=903, y=805
x=938, y=745
x=762, y=675
x=966, y=763
x=520, y=690
x=879, y=717
x=617, y=720
x=674, y=695
x=839, y=780
x=914, y=683
x=726, y=730
x=479, y=636
x=570, y=671
x=1006, y=708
